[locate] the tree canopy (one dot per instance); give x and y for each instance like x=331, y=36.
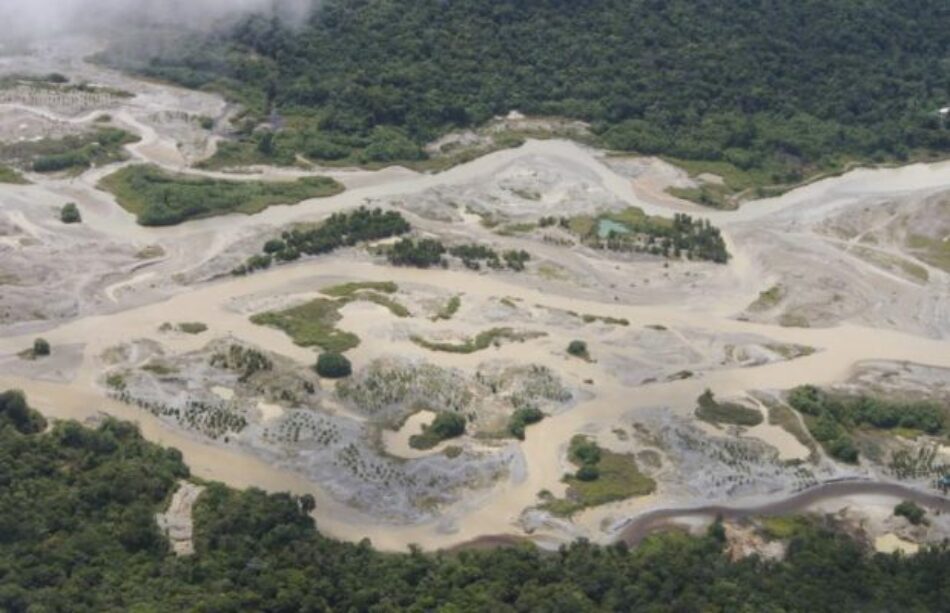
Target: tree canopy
x=783, y=85
x=78, y=533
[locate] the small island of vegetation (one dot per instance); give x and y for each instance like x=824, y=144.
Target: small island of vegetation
x=160, y=198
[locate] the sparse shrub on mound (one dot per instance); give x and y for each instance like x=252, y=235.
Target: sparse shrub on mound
x=332, y=365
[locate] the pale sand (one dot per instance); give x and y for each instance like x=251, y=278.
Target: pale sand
x=224, y=393
x=840, y=348
x=890, y=543
x=269, y=411
x=789, y=448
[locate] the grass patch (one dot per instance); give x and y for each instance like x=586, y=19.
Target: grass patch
x=768, y=299
x=783, y=527
x=449, y=309
x=312, y=324
x=612, y=321
x=934, y=251
x=793, y=320
x=513, y=229
x=481, y=341
x=384, y=301
x=735, y=182
x=116, y=381
x=348, y=289
x=790, y=352
x=369, y=291
x=150, y=252
x=160, y=198
x=709, y=410
x=11, y=176
x=160, y=368
x=603, y=477
x=192, y=327
x=552, y=272
x=891, y=262
x=771, y=178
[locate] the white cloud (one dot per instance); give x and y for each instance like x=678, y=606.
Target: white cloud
x=44, y=17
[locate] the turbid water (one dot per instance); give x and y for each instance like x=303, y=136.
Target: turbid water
x=838, y=350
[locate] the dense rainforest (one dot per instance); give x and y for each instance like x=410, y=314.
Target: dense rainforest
x=78, y=533
x=785, y=88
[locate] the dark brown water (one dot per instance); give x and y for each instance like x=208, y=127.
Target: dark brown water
x=642, y=526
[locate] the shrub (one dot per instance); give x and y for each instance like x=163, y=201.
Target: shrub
x=578, y=349
x=15, y=411
x=274, y=245
x=587, y=472
x=41, y=347
x=584, y=451
x=70, y=213
x=423, y=254
x=844, y=449
x=912, y=511
x=332, y=365
x=522, y=418
x=446, y=425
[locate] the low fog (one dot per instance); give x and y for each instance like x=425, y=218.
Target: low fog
x=26, y=19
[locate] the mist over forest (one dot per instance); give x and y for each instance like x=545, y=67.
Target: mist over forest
x=31, y=19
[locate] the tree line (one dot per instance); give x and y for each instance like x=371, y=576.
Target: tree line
x=782, y=86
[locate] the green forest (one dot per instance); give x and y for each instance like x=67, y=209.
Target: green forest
x=78, y=533
x=779, y=90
